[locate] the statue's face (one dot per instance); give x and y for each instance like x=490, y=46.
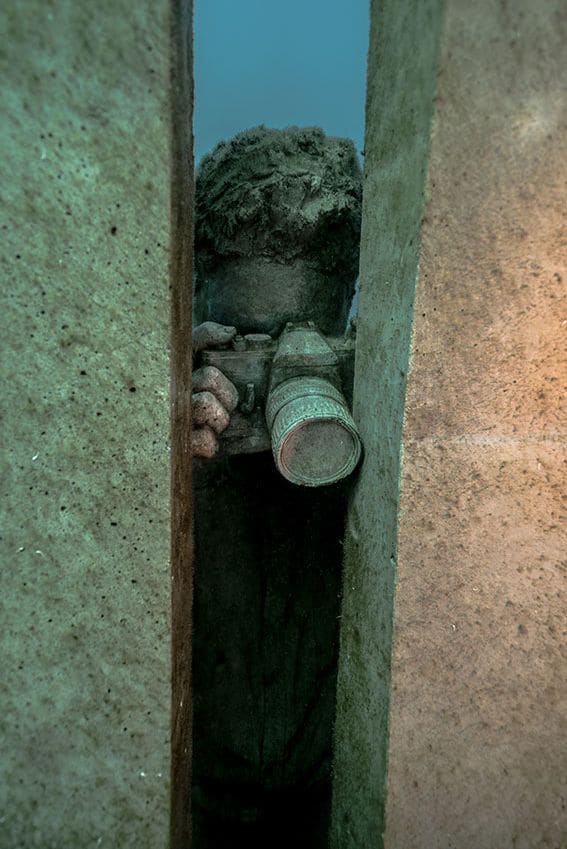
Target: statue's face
x=259, y=295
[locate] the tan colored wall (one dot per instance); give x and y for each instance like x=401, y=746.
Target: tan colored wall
x=85, y=587
x=477, y=754
x=451, y=693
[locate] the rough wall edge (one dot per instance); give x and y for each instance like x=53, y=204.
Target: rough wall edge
x=402, y=69
x=181, y=266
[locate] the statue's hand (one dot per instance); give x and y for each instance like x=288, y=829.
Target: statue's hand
x=214, y=396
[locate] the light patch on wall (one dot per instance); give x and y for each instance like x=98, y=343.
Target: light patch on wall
x=540, y=117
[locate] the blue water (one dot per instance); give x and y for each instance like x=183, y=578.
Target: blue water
x=261, y=62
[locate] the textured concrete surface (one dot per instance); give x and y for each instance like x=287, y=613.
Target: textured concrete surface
x=181, y=271
x=477, y=749
x=401, y=78
x=85, y=701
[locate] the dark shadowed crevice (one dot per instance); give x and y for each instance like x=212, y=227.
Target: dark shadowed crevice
x=267, y=566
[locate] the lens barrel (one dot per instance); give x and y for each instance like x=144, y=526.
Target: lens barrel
x=314, y=438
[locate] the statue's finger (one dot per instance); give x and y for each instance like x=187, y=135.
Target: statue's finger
x=208, y=410
x=204, y=442
x=210, y=379
x=210, y=333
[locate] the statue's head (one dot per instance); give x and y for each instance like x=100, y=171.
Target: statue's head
x=277, y=230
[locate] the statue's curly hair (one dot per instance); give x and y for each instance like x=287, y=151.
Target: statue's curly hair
x=281, y=194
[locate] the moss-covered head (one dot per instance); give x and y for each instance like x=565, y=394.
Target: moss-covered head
x=277, y=229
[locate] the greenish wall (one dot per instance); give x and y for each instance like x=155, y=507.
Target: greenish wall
x=181, y=271
x=402, y=65
x=85, y=593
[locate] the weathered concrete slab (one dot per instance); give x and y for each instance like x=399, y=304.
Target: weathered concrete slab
x=476, y=752
x=473, y=724
x=401, y=84
x=477, y=723
x=85, y=596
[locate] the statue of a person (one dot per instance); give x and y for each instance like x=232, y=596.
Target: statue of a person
x=277, y=231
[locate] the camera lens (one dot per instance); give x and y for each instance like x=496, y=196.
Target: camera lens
x=314, y=438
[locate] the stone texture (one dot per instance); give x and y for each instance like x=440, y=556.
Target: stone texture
x=181, y=272
x=472, y=722
x=401, y=77
x=477, y=717
x=85, y=602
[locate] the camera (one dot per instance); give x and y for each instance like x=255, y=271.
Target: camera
x=295, y=393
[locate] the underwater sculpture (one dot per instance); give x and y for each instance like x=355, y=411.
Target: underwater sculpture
x=277, y=232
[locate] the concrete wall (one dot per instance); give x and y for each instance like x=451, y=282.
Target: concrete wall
x=476, y=725
x=402, y=64
x=181, y=272
x=85, y=594
x=477, y=745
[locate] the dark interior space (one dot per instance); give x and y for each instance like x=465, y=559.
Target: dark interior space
x=277, y=234
x=265, y=644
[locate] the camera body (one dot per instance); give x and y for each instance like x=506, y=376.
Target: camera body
x=295, y=393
